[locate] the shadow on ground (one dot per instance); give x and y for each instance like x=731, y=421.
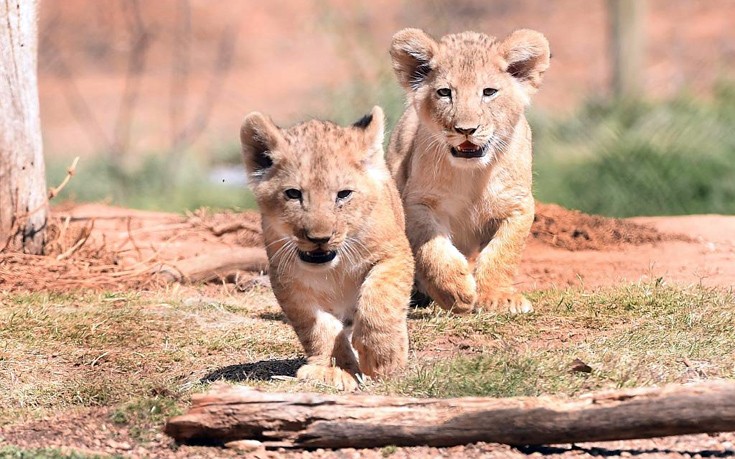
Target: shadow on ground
x=262, y=370
x=273, y=316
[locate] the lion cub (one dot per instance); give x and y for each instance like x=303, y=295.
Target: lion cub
x=461, y=157
x=340, y=264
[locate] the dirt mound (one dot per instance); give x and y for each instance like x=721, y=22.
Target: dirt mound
x=573, y=230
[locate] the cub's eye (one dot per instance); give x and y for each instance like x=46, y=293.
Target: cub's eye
x=293, y=193
x=487, y=92
x=444, y=92
x=344, y=194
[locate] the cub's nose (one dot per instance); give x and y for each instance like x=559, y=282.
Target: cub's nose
x=318, y=238
x=465, y=130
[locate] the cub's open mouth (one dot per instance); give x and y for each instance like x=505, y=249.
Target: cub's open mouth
x=317, y=256
x=469, y=150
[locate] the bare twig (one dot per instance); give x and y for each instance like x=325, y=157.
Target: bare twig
x=130, y=237
x=83, y=237
x=53, y=192
x=232, y=227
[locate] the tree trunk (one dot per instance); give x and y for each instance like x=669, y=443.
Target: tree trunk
x=332, y=421
x=627, y=46
x=23, y=200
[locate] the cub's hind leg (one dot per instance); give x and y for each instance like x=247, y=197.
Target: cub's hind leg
x=329, y=356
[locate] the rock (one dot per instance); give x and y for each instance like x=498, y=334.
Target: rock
x=121, y=445
x=245, y=445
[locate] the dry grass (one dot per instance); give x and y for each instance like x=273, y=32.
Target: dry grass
x=144, y=353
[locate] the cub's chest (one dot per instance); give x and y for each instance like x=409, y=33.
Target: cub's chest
x=335, y=292
x=463, y=202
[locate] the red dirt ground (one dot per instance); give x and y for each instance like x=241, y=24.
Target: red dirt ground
x=566, y=248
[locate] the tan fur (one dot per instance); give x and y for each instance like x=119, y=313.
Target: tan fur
x=467, y=219
x=360, y=298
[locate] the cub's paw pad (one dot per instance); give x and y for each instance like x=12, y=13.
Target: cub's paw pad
x=515, y=303
x=331, y=376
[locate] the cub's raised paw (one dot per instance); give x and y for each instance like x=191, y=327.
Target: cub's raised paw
x=331, y=376
x=515, y=303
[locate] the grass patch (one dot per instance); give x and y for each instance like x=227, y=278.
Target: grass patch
x=143, y=354
x=145, y=416
x=152, y=182
x=629, y=158
x=634, y=335
x=63, y=351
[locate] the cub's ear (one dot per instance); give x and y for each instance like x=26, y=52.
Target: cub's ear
x=373, y=127
x=260, y=139
x=527, y=55
x=412, y=51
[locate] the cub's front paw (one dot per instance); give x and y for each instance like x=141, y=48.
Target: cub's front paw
x=331, y=376
x=456, y=294
x=515, y=303
x=381, y=355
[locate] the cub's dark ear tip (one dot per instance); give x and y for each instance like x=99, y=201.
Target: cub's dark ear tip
x=363, y=122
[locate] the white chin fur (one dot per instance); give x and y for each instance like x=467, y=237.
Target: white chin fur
x=320, y=267
x=470, y=163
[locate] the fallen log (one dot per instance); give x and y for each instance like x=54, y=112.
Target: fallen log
x=221, y=264
x=303, y=420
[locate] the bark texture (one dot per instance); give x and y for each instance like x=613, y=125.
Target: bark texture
x=336, y=421
x=23, y=200
x=224, y=264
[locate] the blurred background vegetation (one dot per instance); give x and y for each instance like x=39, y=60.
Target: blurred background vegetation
x=150, y=94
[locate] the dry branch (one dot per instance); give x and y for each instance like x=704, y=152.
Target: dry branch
x=70, y=171
x=217, y=265
x=333, y=421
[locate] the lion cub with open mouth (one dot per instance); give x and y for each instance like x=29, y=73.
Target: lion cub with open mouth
x=461, y=156
x=340, y=264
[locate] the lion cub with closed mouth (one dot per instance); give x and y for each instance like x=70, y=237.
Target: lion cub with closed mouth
x=340, y=263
